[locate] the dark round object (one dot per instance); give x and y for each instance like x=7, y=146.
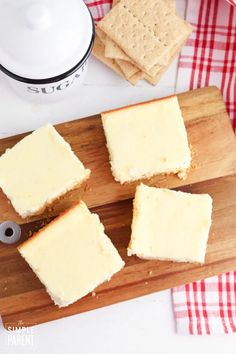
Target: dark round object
x=10, y=232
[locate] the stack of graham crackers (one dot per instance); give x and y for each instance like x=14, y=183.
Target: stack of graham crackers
x=139, y=39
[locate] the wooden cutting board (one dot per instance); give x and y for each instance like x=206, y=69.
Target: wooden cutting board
x=23, y=300
x=209, y=132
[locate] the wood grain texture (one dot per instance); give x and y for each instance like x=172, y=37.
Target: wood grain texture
x=210, y=135
x=23, y=299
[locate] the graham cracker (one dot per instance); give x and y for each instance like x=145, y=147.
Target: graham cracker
x=112, y=50
x=156, y=14
x=128, y=68
x=146, y=33
x=115, y=2
x=156, y=69
x=101, y=35
x=98, y=52
x=132, y=36
x=153, y=80
x=136, y=77
x=170, y=3
x=171, y=55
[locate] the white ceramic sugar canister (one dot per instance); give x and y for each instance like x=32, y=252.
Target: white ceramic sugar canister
x=45, y=46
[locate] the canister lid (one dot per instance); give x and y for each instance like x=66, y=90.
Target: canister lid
x=41, y=39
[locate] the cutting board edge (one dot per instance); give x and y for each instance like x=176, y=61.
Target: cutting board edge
x=142, y=291
x=74, y=120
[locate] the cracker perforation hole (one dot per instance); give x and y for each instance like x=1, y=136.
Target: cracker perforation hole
x=134, y=16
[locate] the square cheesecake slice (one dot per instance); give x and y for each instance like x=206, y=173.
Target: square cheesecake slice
x=72, y=255
x=39, y=169
x=170, y=225
x=146, y=139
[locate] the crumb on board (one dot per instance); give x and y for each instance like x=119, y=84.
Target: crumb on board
x=146, y=282
x=194, y=166
x=150, y=272
x=183, y=174
x=87, y=188
x=93, y=293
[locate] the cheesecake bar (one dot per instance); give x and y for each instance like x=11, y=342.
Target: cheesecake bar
x=170, y=225
x=146, y=139
x=72, y=255
x=39, y=169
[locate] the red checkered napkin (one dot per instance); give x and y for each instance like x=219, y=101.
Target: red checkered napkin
x=98, y=8
x=232, y=2
x=207, y=306
x=209, y=58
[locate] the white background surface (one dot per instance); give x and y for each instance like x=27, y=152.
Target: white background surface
x=141, y=325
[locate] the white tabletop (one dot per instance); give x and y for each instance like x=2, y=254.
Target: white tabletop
x=141, y=325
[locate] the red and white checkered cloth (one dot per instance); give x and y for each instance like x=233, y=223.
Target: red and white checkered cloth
x=207, y=306
x=209, y=58
x=232, y=2
x=98, y=8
